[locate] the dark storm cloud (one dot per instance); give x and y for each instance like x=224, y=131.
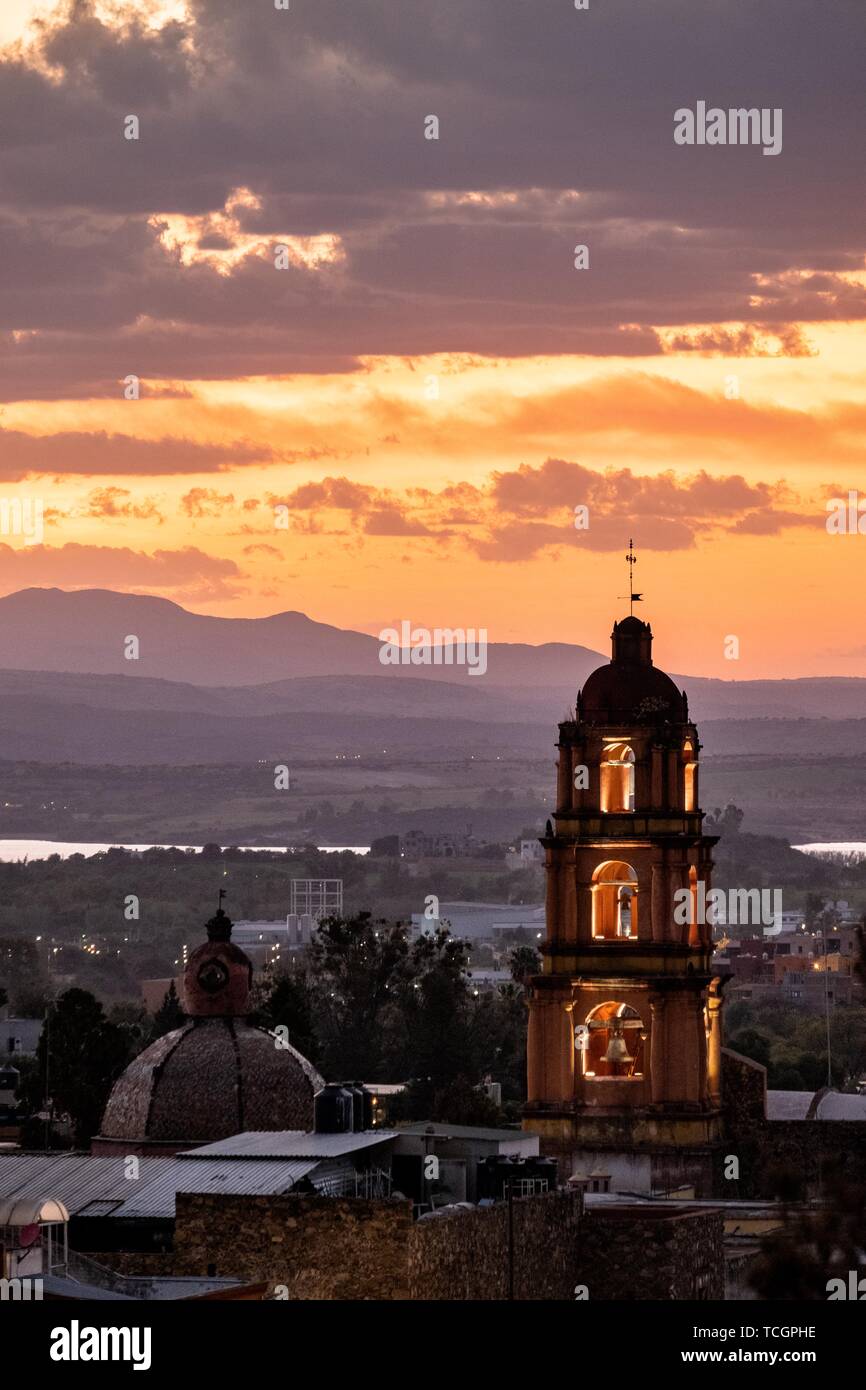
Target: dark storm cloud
x=319, y=111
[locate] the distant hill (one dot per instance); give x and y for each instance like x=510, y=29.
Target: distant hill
x=287, y=663
x=61, y=717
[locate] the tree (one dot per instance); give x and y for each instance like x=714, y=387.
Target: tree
x=727, y=821
x=169, y=1015
x=429, y=1020
x=80, y=1055
x=289, y=1004
x=751, y=1042
x=523, y=961
x=354, y=963
x=461, y=1103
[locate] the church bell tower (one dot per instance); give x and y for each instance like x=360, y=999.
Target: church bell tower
x=624, y=1044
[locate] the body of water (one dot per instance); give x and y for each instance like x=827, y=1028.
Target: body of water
x=855, y=848
x=11, y=850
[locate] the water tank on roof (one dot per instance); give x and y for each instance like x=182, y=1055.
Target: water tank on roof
x=334, y=1107
x=363, y=1104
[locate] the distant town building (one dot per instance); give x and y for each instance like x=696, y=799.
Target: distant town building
x=525, y=855
x=494, y=922
x=442, y=844
x=19, y=1037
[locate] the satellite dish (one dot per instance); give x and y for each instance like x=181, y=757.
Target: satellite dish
x=28, y=1235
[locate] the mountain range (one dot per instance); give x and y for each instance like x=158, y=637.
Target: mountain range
x=209, y=689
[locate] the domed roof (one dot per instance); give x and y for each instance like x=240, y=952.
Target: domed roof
x=630, y=690
x=217, y=1075
x=208, y=1080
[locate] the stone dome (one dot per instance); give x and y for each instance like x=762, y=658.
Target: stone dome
x=217, y=1075
x=630, y=689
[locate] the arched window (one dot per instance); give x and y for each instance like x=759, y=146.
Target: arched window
x=690, y=783
x=614, y=901
x=614, y=1043
x=617, y=777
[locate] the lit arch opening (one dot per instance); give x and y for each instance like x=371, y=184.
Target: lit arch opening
x=614, y=901
x=617, y=777
x=690, y=777
x=614, y=1043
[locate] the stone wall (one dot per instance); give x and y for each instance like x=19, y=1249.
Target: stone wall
x=316, y=1247
x=351, y=1249
x=479, y=1255
x=770, y=1152
x=629, y=1253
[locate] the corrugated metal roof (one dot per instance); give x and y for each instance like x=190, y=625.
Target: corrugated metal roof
x=291, y=1143
x=155, y=1200
x=788, y=1105
x=832, y=1105
x=73, y=1179
x=479, y=1132
x=91, y=1184
x=838, y=1106
x=72, y=1288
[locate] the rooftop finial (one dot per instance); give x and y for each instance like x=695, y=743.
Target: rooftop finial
x=631, y=561
x=219, y=928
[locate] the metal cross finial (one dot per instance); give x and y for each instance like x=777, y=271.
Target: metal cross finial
x=631, y=561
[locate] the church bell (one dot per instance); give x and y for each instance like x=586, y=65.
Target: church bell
x=617, y=1049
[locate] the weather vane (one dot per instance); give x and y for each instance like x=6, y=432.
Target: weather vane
x=631, y=561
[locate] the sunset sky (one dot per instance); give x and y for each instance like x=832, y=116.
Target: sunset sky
x=431, y=387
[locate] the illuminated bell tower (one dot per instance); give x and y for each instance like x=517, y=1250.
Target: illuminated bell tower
x=624, y=1044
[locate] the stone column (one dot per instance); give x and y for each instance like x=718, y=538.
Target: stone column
x=642, y=784
x=567, y=1053
x=583, y=907
x=576, y=760
x=661, y=924
x=714, y=1046
x=551, y=893
x=694, y=1047
x=674, y=799
x=534, y=1052
x=563, y=778
x=592, y=796
x=679, y=881
x=656, y=779
x=657, y=1042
